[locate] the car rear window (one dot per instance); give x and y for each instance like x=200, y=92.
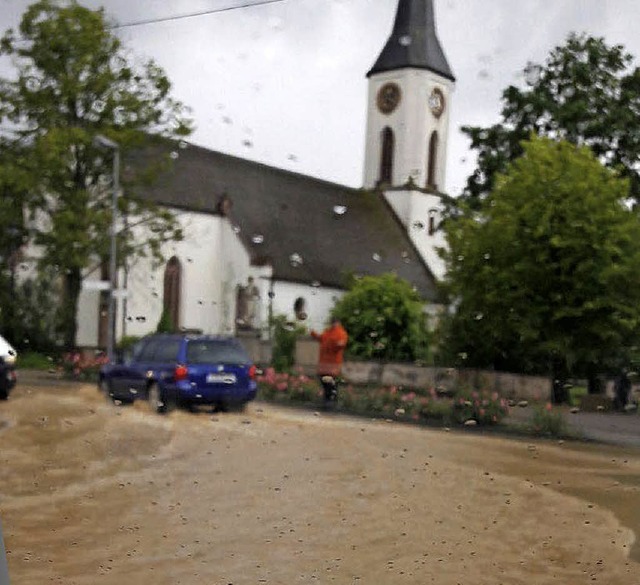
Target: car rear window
x=160, y=351
x=215, y=352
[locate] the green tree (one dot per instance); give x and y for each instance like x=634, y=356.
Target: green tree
x=385, y=319
x=14, y=195
x=545, y=276
x=74, y=81
x=586, y=92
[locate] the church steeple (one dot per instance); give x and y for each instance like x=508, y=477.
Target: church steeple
x=413, y=42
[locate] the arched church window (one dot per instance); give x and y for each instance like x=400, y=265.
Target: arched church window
x=432, y=165
x=433, y=216
x=300, y=309
x=172, y=290
x=386, y=158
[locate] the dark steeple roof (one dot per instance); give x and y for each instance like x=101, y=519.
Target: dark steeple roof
x=414, y=41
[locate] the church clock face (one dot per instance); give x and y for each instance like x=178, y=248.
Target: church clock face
x=389, y=97
x=436, y=102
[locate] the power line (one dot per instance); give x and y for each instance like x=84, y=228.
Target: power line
x=193, y=14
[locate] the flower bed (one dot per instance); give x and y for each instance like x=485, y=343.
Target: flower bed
x=82, y=367
x=387, y=401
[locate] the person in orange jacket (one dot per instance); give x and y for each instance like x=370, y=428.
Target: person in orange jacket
x=333, y=342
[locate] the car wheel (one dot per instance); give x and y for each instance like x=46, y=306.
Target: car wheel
x=155, y=400
x=106, y=388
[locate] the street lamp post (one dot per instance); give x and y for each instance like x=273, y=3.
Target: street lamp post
x=103, y=142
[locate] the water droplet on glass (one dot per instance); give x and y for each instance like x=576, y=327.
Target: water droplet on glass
x=373, y=334
x=463, y=355
x=32, y=84
x=479, y=316
x=487, y=256
x=174, y=155
x=257, y=239
x=418, y=225
x=292, y=157
x=339, y=209
x=484, y=74
x=405, y=40
x=227, y=120
x=247, y=143
x=236, y=229
x=296, y=260
x=376, y=257
x=315, y=284
x=460, y=258
x=98, y=106
x=182, y=144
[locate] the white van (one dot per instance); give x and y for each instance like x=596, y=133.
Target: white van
x=7, y=352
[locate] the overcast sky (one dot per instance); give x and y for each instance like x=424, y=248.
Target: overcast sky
x=284, y=83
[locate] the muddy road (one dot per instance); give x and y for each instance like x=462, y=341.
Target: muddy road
x=91, y=493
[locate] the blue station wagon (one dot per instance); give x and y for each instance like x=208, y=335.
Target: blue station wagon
x=182, y=370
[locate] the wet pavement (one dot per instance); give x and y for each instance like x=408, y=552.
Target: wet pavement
x=93, y=493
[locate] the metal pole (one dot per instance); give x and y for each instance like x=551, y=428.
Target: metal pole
x=111, y=315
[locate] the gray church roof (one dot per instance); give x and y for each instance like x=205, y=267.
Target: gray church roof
x=414, y=41
x=307, y=229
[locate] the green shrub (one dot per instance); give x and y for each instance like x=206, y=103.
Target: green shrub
x=128, y=341
x=32, y=360
x=548, y=421
x=164, y=324
x=385, y=320
x=285, y=335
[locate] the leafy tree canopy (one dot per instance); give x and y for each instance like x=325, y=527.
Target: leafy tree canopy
x=384, y=318
x=586, y=92
x=74, y=81
x=545, y=276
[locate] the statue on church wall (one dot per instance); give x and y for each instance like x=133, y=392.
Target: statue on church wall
x=248, y=306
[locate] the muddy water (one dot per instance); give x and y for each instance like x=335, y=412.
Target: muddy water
x=91, y=493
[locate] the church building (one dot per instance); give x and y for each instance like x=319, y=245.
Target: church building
x=261, y=241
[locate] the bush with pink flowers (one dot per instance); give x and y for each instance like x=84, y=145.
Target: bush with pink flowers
x=386, y=401
x=486, y=408
x=83, y=367
x=286, y=387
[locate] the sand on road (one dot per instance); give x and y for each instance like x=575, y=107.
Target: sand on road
x=91, y=493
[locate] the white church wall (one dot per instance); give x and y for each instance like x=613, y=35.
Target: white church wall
x=425, y=218
x=318, y=302
x=145, y=286
x=421, y=214
x=213, y=262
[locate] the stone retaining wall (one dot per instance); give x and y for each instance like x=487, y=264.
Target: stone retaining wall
x=512, y=386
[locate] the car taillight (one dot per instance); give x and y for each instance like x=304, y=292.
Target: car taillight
x=181, y=373
x=252, y=372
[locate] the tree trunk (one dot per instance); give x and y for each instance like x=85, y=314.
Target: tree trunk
x=594, y=383
x=69, y=310
x=559, y=392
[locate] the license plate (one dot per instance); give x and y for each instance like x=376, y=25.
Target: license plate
x=221, y=379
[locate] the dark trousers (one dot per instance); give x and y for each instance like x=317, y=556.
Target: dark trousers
x=330, y=387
